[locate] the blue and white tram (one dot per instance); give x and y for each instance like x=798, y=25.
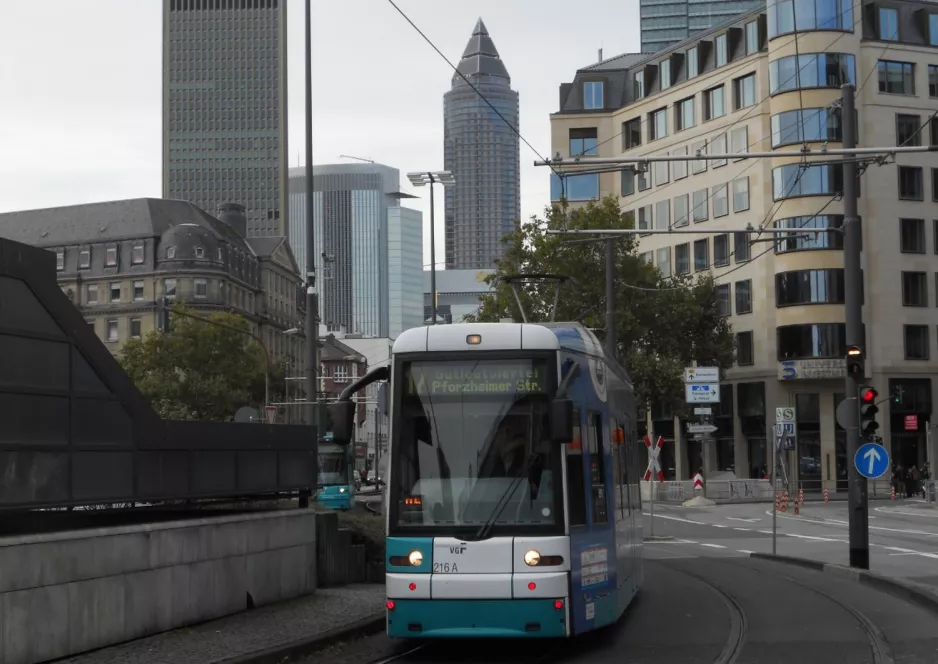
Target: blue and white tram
x=513, y=503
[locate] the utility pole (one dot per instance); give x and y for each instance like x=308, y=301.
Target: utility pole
x=432, y=266
x=858, y=507
x=610, y=298
x=312, y=297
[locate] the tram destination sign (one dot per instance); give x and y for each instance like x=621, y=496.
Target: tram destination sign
x=489, y=377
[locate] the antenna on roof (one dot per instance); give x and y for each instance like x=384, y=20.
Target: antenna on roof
x=516, y=280
x=600, y=54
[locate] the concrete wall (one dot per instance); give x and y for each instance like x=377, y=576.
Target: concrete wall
x=68, y=592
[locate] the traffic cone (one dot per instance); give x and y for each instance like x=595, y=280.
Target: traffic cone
x=797, y=510
x=801, y=496
x=827, y=497
x=892, y=493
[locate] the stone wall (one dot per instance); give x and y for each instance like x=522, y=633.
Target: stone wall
x=68, y=592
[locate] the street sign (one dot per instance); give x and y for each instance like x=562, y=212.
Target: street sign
x=871, y=460
x=785, y=414
x=703, y=410
x=701, y=428
x=702, y=392
x=702, y=375
x=786, y=428
x=271, y=412
x=911, y=422
x=841, y=413
x=654, y=467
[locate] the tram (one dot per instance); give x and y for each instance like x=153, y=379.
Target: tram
x=513, y=505
x=335, y=474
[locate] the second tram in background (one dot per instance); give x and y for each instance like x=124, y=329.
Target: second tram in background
x=513, y=505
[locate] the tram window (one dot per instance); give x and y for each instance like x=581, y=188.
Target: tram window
x=625, y=466
x=597, y=470
x=576, y=490
x=618, y=502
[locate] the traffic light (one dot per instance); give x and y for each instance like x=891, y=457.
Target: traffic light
x=855, y=362
x=868, y=410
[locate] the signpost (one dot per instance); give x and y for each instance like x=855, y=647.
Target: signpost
x=701, y=428
x=871, y=460
x=702, y=386
x=702, y=392
x=786, y=428
x=654, y=468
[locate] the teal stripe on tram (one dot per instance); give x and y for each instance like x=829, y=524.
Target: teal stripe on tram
x=476, y=619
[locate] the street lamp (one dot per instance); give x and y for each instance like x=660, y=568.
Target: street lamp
x=431, y=178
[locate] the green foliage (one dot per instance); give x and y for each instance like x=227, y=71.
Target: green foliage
x=201, y=370
x=366, y=529
x=662, y=324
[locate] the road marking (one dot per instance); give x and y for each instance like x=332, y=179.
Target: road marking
x=887, y=510
x=745, y=551
x=765, y=532
x=811, y=537
x=713, y=546
x=675, y=518
x=736, y=518
x=910, y=552
x=717, y=525
x=743, y=529
x=832, y=522
x=676, y=541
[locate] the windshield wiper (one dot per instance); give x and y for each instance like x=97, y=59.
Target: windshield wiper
x=505, y=498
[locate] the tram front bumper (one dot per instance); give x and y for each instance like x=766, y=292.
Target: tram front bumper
x=477, y=618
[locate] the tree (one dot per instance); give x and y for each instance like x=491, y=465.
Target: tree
x=200, y=370
x=662, y=323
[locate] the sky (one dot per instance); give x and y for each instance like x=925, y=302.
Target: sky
x=80, y=88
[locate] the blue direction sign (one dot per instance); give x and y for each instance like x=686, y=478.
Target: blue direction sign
x=872, y=460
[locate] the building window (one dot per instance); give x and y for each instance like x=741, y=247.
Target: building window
x=741, y=194
x=801, y=287
x=722, y=296
x=645, y=218
x=744, y=297
x=722, y=56
x=713, y=103
x=169, y=288
x=138, y=290
x=583, y=142
x=663, y=215
x=699, y=165
x=115, y=292
x=221, y=255
x=110, y=257
x=811, y=70
x=912, y=236
x=59, y=259
x=692, y=65
x=664, y=74
x=811, y=15
x=911, y=185
x=135, y=328
x=644, y=180
x=638, y=85
x=721, y=250
x=701, y=255
x=916, y=342
x=631, y=133
x=811, y=340
x=810, y=241
x=933, y=80
x=752, y=37
x=717, y=146
x=170, y=253
x=658, y=124
x=914, y=289
x=933, y=29
x=682, y=258
x=648, y=257
x=908, y=130
x=794, y=180
x=679, y=167
x=575, y=187
x=112, y=331
x=806, y=126
x=680, y=210
x=684, y=114
x=84, y=259
x=664, y=261
x=136, y=255
x=199, y=252
x=744, y=92
x=888, y=24
x=201, y=288
x=744, y=354
x=741, y=246
x=662, y=172
x=896, y=78
x=592, y=95
x=627, y=182
x=701, y=209
x=91, y=294
x=720, y=203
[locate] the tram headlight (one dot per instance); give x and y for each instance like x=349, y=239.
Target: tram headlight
x=342, y=489
x=532, y=558
x=415, y=558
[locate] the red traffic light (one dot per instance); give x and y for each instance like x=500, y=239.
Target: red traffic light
x=868, y=395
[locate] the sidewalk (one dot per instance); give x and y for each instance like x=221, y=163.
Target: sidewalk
x=237, y=637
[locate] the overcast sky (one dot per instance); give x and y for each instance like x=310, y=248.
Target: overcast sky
x=80, y=87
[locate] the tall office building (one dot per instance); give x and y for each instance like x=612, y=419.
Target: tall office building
x=667, y=22
x=369, y=249
x=225, y=107
x=482, y=151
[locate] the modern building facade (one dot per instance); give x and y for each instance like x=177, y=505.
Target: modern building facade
x=753, y=84
x=368, y=246
x=117, y=260
x=481, y=149
x=667, y=22
x=457, y=294
x=225, y=107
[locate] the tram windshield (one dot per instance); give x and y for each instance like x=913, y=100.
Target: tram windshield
x=333, y=465
x=473, y=442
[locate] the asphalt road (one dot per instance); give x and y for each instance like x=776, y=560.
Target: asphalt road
x=705, y=600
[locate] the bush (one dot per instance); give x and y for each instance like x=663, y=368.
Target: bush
x=368, y=530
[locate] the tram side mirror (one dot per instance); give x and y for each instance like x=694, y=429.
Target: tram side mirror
x=561, y=421
x=343, y=415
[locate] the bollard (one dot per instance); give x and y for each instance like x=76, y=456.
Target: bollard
x=827, y=497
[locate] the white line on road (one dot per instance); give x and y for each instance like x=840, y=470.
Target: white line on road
x=811, y=537
x=832, y=522
x=713, y=546
x=736, y=518
x=675, y=518
x=764, y=532
x=745, y=551
x=887, y=510
x=717, y=525
x=746, y=530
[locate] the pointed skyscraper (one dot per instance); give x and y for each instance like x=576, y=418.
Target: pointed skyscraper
x=481, y=149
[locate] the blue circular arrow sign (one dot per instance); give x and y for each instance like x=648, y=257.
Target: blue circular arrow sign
x=871, y=460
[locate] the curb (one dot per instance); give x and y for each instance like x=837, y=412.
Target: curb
x=906, y=590
x=658, y=538
x=300, y=647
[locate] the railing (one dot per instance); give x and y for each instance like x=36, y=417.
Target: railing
x=752, y=490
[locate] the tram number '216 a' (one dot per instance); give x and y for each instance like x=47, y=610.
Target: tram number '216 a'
x=447, y=567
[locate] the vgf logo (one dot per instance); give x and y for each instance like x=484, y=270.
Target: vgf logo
x=458, y=549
